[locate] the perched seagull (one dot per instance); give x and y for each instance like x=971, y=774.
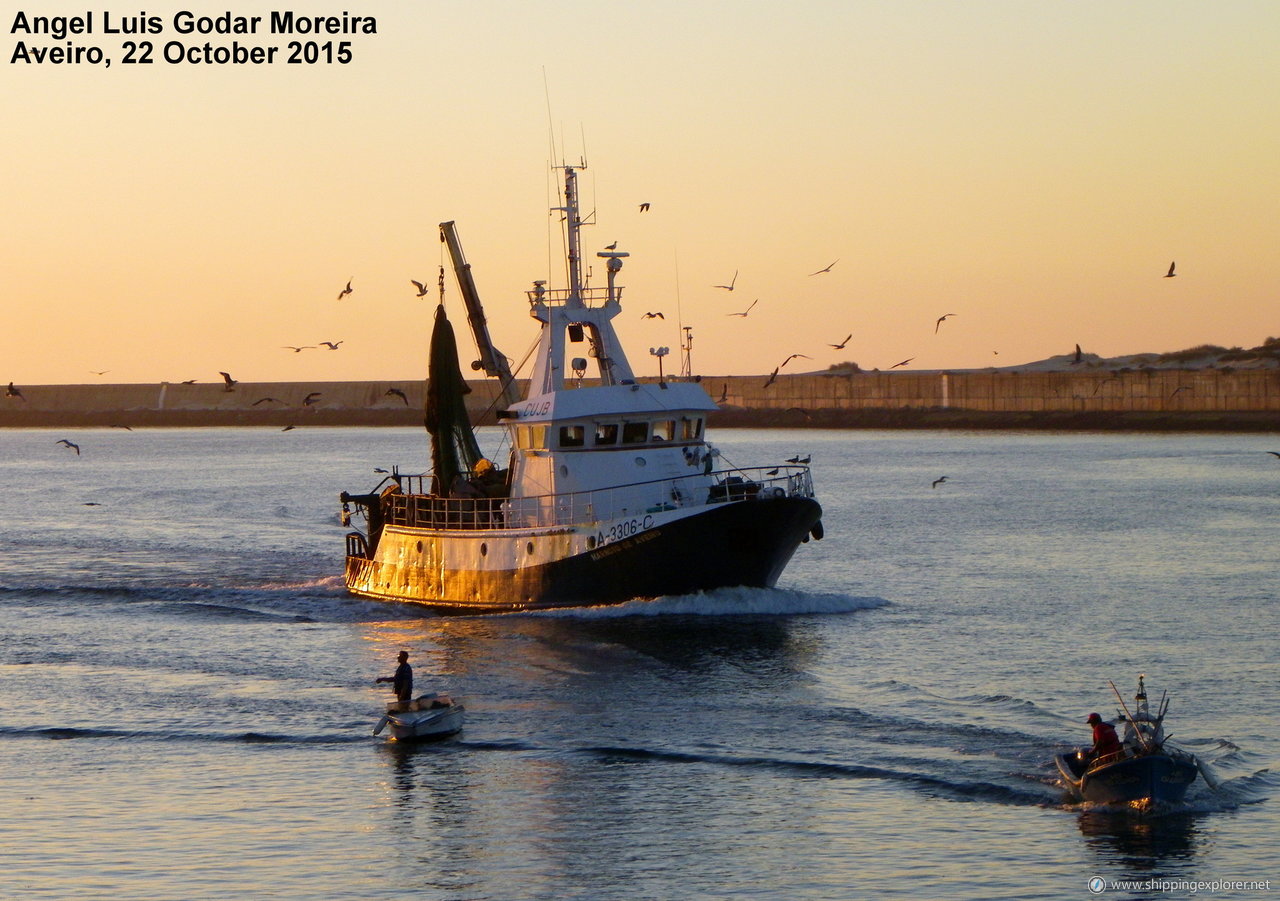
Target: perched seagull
x=230, y=382
x=747, y=310
x=653, y=316
x=332, y=345
x=267, y=400
x=841, y=345
x=74, y=447
x=613, y=246
x=772, y=377
x=799, y=460
x=13, y=392
x=732, y=282
x=794, y=356
x=828, y=269
x=1078, y=357
x=190, y=381
x=773, y=472
x=345, y=291
x=937, y=325
x=396, y=392
x=298, y=350
x=310, y=399
x=938, y=481
x=644, y=207
x=903, y=363
x=1171, y=273
x=422, y=289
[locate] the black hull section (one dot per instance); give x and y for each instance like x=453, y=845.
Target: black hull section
x=735, y=544
x=1151, y=778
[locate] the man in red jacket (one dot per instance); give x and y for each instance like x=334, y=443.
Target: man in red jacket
x=1105, y=742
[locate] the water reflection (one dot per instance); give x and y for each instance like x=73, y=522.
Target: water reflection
x=1152, y=845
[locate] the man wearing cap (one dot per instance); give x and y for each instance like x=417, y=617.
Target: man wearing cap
x=402, y=681
x=1105, y=742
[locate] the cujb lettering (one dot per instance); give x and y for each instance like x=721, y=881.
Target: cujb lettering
x=288, y=23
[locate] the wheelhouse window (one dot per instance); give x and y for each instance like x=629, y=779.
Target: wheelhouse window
x=690, y=429
x=573, y=435
x=606, y=433
x=664, y=430
x=531, y=437
x=635, y=432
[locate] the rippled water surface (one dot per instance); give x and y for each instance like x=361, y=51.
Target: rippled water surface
x=187, y=696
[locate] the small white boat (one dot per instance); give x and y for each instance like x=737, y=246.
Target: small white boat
x=428, y=717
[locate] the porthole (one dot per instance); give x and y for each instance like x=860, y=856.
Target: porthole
x=529, y=547
x=641, y=461
x=419, y=547
x=591, y=542
x=564, y=470
x=484, y=549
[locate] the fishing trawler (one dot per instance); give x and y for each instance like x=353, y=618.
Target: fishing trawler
x=611, y=491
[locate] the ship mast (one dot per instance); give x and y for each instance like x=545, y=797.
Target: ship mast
x=574, y=221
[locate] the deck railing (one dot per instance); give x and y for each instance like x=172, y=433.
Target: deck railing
x=406, y=503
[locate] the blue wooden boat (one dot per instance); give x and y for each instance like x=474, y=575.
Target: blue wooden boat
x=1148, y=770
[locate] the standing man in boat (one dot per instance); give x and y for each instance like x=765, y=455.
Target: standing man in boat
x=402, y=681
x=1105, y=742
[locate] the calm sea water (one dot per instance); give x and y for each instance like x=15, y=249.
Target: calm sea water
x=187, y=695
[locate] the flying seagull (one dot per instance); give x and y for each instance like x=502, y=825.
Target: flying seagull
x=267, y=400
x=396, y=392
x=937, y=325
x=13, y=392
x=841, y=345
x=296, y=349
x=332, y=345
x=230, y=382
x=99, y=371
x=794, y=356
x=938, y=481
x=653, y=316
x=422, y=289
x=74, y=447
x=644, y=207
x=1274, y=453
x=802, y=411
x=903, y=363
x=773, y=376
x=828, y=269
x=747, y=310
x=724, y=394
x=310, y=399
x=732, y=282
x=1171, y=273
x=345, y=291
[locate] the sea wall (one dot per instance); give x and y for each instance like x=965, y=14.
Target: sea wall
x=1100, y=398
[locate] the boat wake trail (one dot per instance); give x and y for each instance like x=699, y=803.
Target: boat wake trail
x=725, y=602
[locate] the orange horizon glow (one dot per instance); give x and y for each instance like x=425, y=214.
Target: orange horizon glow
x=1031, y=168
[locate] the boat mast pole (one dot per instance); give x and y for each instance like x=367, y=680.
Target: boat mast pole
x=575, y=241
x=491, y=359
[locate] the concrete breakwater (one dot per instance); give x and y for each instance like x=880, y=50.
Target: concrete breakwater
x=1095, y=398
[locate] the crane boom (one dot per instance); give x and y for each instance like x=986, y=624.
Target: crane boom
x=491, y=359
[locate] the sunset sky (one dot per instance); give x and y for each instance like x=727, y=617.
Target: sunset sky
x=1031, y=167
